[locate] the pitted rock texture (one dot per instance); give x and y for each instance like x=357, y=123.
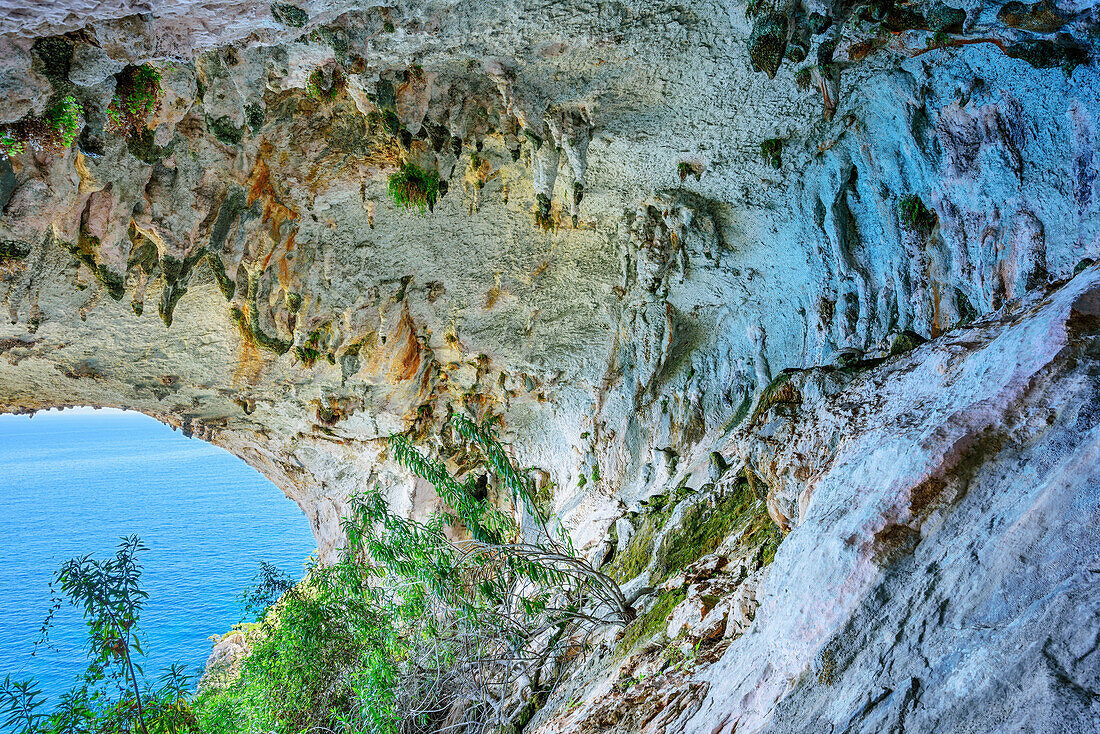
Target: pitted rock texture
x=941, y=571
x=616, y=267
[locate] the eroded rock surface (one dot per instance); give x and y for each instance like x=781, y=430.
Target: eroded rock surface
x=819, y=246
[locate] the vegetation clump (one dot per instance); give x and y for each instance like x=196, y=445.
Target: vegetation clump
x=289, y=15
x=325, y=84
x=52, y=133
x=915, y=215
x=137, y=96
x=13, y=255
x=652, y=622
x=685, y=169
x=420, y=617
x=544, y=220
x=771, y=150
x=804, y=78
x=635, y=557
x=411, y=187
x=768, y=42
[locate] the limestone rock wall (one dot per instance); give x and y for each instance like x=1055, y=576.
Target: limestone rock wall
x=659, y=224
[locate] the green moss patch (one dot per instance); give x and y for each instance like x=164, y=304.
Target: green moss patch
x=224, y=130
x=704, y=526
x=289, y=15
x=14, y=250
x=325, y=86
x=84, y=250
x=779, y=390
x=915, y=215
x=635, y=558
x=653, y=622
x=771, y=150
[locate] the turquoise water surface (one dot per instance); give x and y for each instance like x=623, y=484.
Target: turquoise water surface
x=74, y=482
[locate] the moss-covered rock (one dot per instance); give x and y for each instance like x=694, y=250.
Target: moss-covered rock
x=224, y=130
x=768, y=42
x=1040, y=17
x=653, y=622
x=1044, y=53
x=906, y=341
x=289, y=15
x=635, y=557
x=943, y=18
x=779, y=390
x=706, y=524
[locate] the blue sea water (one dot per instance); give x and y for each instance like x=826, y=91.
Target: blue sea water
x=74, y=482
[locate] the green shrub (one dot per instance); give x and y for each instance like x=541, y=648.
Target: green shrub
x=322, y=657
x=137, y=96
x=411, y=187
x=53, y=133
x=412, y=621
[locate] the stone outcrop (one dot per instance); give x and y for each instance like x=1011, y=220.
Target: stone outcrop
x=841, y=286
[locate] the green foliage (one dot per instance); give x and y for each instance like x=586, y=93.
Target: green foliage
x=323, y=658
x=804, y=78
x=685, y=169
x=223, y=129
x=53, y=133
x=113, y=696
x=411, y=621
x=772, y=152
x=914, y=214
x=63, y=120
x=269, y=585
x=137, y=96
x=411, y=187
x=325, y=84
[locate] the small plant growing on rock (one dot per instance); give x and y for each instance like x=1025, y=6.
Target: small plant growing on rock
x=685, y=169
x=52, y=133
x=804, y=79
x=137, y=96
x=772, y=152
x=414, y=188
x=325, y=87
x=914, y=214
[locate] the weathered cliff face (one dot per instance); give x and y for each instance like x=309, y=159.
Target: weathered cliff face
x=638, y=233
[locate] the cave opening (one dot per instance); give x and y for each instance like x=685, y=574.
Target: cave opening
x=74, y=482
